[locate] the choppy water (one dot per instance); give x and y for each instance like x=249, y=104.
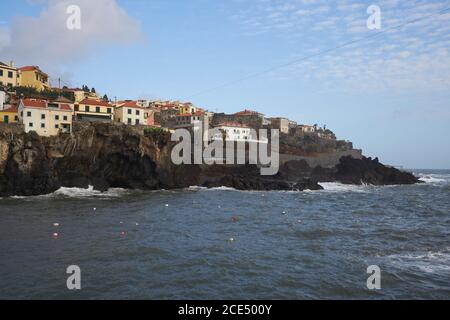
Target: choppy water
x=176, y=244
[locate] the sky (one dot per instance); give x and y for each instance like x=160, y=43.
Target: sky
x=387, y=93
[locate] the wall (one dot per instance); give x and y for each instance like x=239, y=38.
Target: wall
x=326, y=160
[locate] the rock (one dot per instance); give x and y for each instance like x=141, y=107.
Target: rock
x=111, y=155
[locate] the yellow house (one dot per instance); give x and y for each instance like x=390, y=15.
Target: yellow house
x=9, y=115
x=32, y=76
x=94, y=110
x=187, y=108
x=80, y=94
x=9, y=76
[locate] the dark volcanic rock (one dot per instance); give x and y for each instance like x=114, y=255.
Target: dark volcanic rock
x=115, y=155
x=366, y=170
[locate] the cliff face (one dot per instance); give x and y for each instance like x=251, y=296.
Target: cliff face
x=114, y=155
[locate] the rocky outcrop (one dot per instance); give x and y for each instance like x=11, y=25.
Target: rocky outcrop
x=115, y=155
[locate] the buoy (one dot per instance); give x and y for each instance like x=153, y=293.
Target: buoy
x=121, y=222
x=167, y=205
x=300, y=221
x=284, y=212
x=55, y=234
x=95, y=209
x=56, y=224
x=137, y=223
x=123, y=233
x=231, y=240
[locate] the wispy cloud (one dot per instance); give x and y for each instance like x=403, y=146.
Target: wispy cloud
x=416, y=57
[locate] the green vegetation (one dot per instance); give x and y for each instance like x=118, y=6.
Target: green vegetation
x=51, y=94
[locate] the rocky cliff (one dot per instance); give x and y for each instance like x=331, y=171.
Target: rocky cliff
x=115, y=155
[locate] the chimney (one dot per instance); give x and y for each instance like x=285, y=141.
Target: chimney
x=11, y=64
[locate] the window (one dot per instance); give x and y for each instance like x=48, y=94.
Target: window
x=138, y=112
x=56, y=117
x=129, y=111
x=43, y=116
x=1, y=73
x=97, y=109
x=28, y=113
x=30, y=124
x=137, y=121
x=77, y=107
x=108, y=110
x=10, y=74
x=56, y=126
x=42, y=125
x=65, y=118
x=129, y=120
x=86, y=108
x=16, y=118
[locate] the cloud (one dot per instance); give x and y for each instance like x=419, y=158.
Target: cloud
x=46, y=41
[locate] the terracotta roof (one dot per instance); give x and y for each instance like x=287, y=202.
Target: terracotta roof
x=130, y=104
x=95, y=102
x=65, y=107
x=34, y=103
x=232, y=124
x=14, y=109
x=31, y=68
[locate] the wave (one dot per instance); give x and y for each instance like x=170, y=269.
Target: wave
x=340, y=187
x=434, y=178
x=429, y=262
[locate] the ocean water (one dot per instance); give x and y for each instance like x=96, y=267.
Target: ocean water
x=228, y=244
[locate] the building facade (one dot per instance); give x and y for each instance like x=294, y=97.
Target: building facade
x=44, y=117
x=93, y=111
x=9, y=76
x=32, y=76
x=130, y=113
x=281, y=124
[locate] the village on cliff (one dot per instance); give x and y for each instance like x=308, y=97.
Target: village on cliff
x=28, y=99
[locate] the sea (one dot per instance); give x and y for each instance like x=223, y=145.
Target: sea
x=222, y=243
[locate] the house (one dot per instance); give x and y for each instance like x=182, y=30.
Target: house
x=306, y=128
x=32, y=76
x=186, y=108
x=151, y=116
x=281, y=124
x=80, y=94
x=234, y=131
x=9, y=115
x=9, y=76
x=46, y=118
x=189, y=120
x=93, y=111
x=129, y=112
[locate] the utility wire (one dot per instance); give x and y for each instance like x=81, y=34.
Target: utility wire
x=296, y=61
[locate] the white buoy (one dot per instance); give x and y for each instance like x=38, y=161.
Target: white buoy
x=95, y=209
x=231, y=240
x=167, y=204
x=55, y=234
x=56, y=224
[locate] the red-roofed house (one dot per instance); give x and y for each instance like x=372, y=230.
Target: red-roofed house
x=129, y=112
x=92, y=110
x=32, y=76
x=46, y=118
x=189, y=120
x=9, y=115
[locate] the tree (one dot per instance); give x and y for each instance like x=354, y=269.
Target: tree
x=93, y=90
x=105, y=98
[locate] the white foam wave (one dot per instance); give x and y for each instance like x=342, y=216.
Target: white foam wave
x=340, y=187
x=434, y=179
x=429, y=262
x=87, y=193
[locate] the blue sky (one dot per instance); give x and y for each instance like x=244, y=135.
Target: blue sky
x=389, y=94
